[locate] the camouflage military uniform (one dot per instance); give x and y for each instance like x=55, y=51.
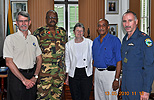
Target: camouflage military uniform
x=52, y=73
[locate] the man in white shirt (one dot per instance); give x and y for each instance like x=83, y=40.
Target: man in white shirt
x=21, y=52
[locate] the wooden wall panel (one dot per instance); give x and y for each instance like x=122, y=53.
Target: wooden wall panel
x=152, y=20
x=37, y=10
x=90, y=11
x=134, y=5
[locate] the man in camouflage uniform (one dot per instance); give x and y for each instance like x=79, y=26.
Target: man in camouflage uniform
x=52, y=41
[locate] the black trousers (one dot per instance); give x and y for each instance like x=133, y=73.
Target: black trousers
x=16, y=90
x=80, y=85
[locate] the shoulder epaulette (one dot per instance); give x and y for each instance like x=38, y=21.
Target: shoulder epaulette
x=143, y=34
x=41, y=28
x=62, y=28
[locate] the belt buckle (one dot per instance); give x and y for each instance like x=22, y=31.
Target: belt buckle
x=101, y=69
x=27, y=70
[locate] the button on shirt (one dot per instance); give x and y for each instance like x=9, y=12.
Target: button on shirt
x=23, y=50
x=106, y=53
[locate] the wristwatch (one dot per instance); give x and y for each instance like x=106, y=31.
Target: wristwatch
x=116, y=79
x=36, y=76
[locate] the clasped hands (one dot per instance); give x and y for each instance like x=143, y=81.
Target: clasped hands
x=29, y=83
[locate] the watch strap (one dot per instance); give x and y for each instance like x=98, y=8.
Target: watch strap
x=36, y=76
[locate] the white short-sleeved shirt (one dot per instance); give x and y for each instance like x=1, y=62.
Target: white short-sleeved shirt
x=23, y=50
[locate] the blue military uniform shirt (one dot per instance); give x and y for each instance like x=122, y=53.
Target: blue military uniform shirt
x=138, y=61
x=106, y=53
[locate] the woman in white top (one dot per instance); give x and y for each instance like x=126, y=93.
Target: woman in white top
x=78, y=60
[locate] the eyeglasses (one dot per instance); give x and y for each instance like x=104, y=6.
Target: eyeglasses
x=21, y=21
x=52, y=17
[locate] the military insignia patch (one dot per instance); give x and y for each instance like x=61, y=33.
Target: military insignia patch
x=148, y=42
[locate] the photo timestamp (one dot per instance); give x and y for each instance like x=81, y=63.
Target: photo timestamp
x=121, y=93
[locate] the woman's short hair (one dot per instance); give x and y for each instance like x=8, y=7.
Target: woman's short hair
x=79, y=25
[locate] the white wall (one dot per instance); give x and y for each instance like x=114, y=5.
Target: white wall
x=117, y=18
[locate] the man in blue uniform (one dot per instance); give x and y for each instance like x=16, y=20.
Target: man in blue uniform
x=137, y=60
x=107, y=56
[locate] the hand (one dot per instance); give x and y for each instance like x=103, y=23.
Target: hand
x=33, y=79
x=115, y=85
x=66, y=81
x=144, y=96
x=28, y=83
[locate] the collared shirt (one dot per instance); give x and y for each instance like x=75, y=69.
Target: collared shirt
x=22, y=50
x=106, y=53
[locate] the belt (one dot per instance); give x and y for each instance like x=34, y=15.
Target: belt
x=109, y=68
x=26, y=70
x=101, y=69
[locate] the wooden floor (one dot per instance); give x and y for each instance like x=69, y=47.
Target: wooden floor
x=3, y=95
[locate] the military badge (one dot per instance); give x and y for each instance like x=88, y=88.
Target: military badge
x=148, y=42
x=48, y=32
x=125, y=60
x=131, y=44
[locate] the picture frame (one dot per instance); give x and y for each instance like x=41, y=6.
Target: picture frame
x=18, y=6
x=113, y=29
x=112, y=7
x=15, y=27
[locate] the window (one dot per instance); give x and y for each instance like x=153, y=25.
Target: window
x=67, y=14
x=72, y=0
x=145, y=18
x=60, y=9
x=59, y=0
x=72, y=19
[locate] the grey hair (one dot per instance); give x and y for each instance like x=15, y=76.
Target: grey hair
x=22, y=13
x=131, y=13
x=79, y=25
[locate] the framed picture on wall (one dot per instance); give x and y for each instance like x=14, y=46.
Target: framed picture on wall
x=15, y=27
x=113, y=29
x=18, y=6
x=112, y=7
